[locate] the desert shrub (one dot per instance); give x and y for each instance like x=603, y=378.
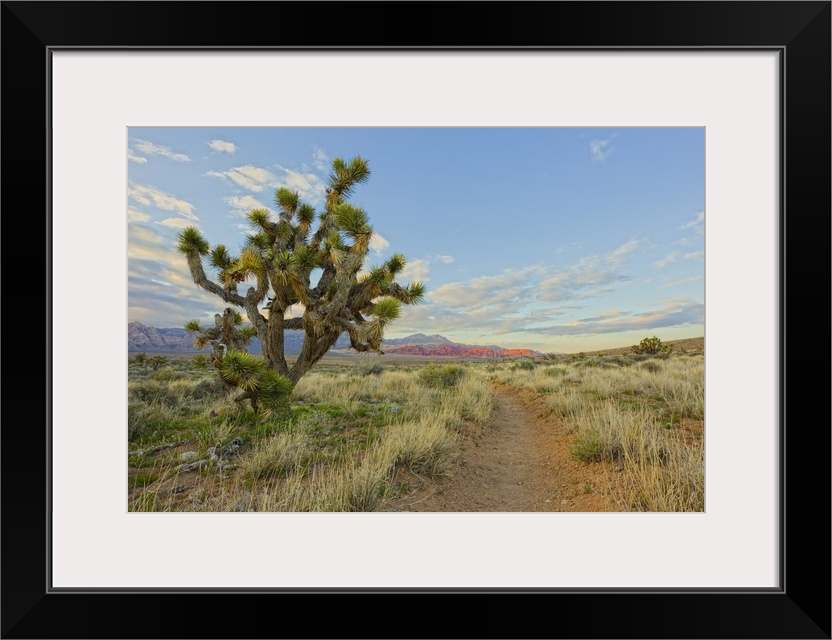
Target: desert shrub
x=209, y=388
x=442, y=375
x=652, y=367
x=152, y=392
x=167, y=375
x=652, y=346
x=157, y=362
x=140, y=358
x=146, y=420
x=199, y=362
x=620, y=361
x=524, y=365
x=369, y=369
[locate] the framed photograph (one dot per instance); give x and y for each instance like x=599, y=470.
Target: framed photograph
x=92, y=89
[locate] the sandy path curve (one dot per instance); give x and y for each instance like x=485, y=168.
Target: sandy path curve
x=520, y=462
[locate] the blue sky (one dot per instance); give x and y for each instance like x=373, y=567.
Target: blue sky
x=556, y=239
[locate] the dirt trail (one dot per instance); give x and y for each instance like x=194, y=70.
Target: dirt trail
x=519, y=463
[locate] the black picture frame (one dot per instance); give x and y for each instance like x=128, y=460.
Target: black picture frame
x=799, y=31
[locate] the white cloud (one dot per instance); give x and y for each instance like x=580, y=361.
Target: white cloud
x=444, y=259
x=617, y=256
x=697, y=224
x=137, y=216
x=668, y=259
x=378, y=244
x=309, y=186
x=176, y=223
x=131, y=155
x=588, y=276
x=600, y=150
x=512, y=299
x=251, y=177
x=320, y=159
x=148, y=195
x=414, y=271
x=154, y=149
x=680, y=312
x=243, y=204
x=695, y=255
x=216, y=174
x=503, y=293
x=221, y=146
x=678, y=283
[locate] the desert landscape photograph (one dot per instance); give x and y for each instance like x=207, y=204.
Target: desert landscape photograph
x=415, y=319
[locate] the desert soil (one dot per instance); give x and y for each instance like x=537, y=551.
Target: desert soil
x=519, y=462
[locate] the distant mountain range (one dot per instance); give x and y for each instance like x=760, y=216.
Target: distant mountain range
x=420, y=344
x=141, y=337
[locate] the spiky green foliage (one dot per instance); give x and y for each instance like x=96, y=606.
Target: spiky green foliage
x=306, y=214
x=387, y=309
x=225, y=335
x=414, y=293
x=291, y=264
x=396, y=263
x=259, y=218
x=287, y=200
x=275, y=391
x=268, y=391
x=191, y=240
x=192, y=326
x=220, y=258
x=241, y=370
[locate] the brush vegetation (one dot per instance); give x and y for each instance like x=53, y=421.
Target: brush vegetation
x=352, y=438
x=358, y=433
x=643, y=414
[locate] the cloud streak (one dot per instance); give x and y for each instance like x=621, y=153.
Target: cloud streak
x=151, y=149
x=697, y=224
x=257, y=179
x=221, y=146
x=151, y=196
x=544, y=300
x=600, y=150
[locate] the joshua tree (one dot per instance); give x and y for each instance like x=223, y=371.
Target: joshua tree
x=236, y=367
x=284, y=257
x=224, y=336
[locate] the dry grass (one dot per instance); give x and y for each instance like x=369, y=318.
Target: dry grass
x=339, y=449
x=643, y=413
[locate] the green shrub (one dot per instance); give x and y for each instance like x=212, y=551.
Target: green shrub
x=442, y=375
x=157, y=362
x=652, y=346
x=167, y=375
x=369, y=369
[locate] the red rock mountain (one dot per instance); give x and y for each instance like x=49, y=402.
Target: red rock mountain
x=435, y=345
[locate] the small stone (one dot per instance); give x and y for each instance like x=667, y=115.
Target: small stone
x=564, y=501
x=187, y=456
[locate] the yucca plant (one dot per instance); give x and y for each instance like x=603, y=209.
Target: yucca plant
x=267, y=390
x=280, y=256
x=226, y=334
